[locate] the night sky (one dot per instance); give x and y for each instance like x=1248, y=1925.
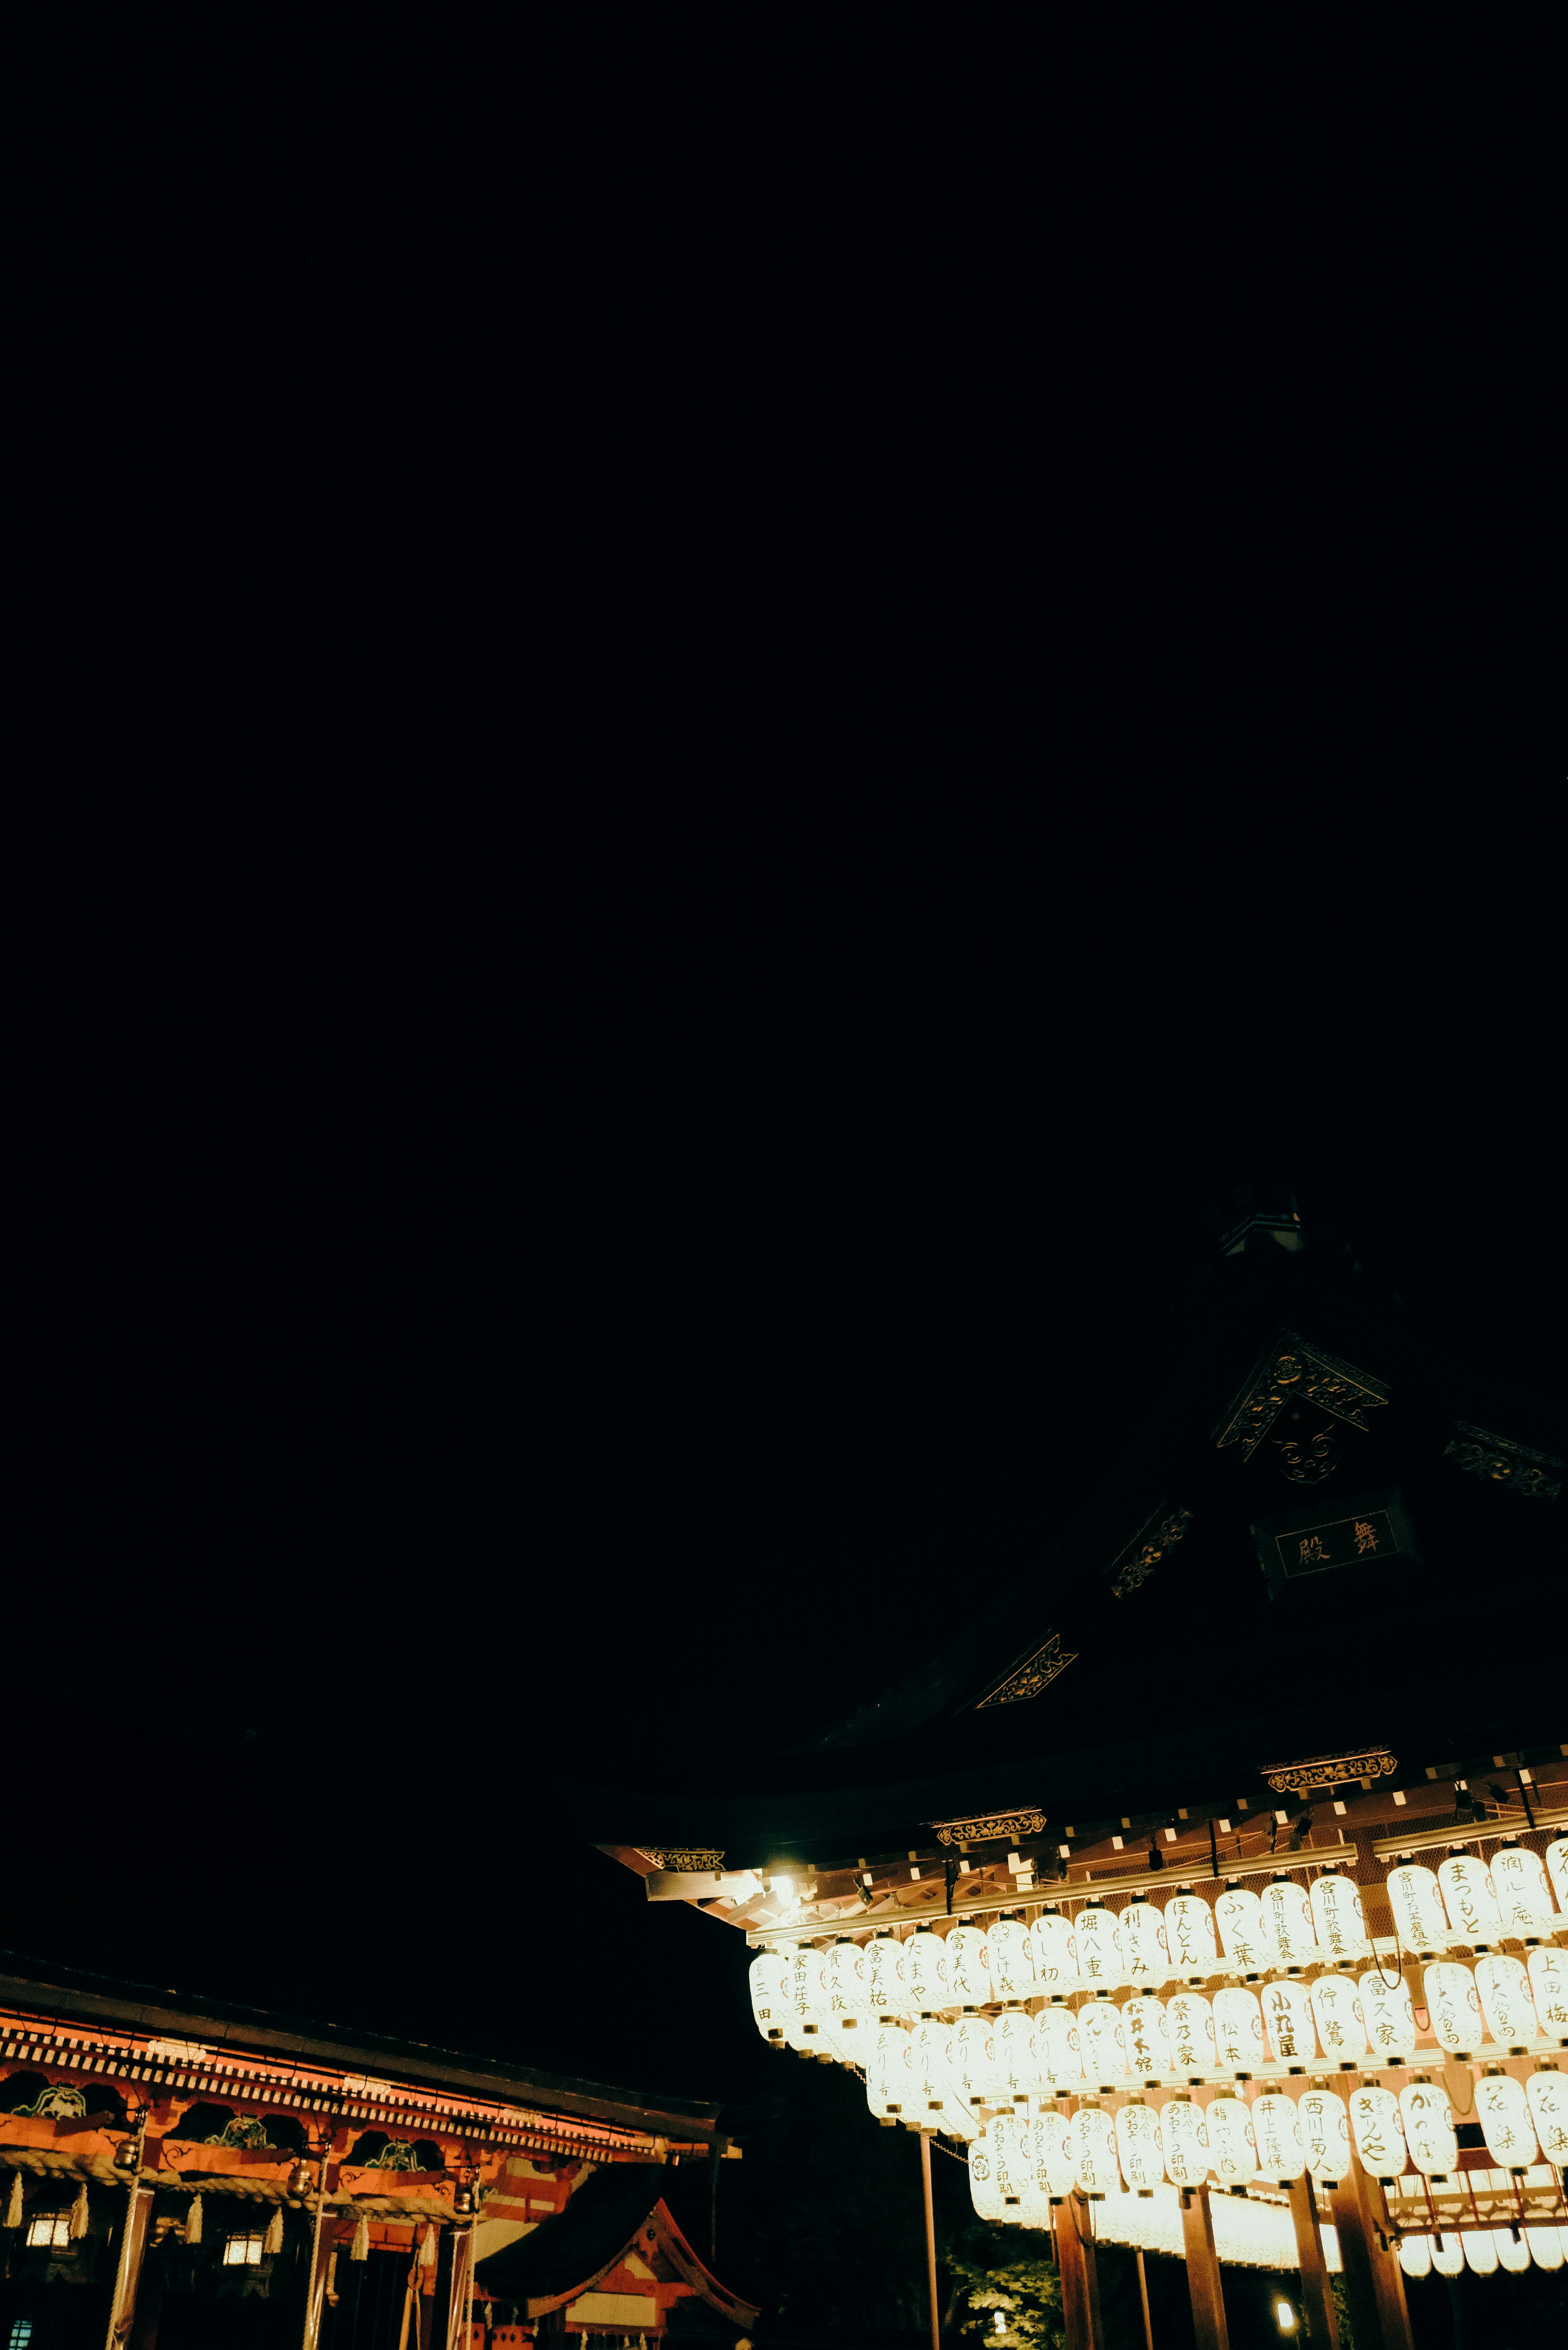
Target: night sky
x=728, y=733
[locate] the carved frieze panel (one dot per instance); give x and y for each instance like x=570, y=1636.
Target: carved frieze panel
x=1036, y=1674
x=1330, y=1770
x=1136, y=1563
x=988, y=1826
x=1514, y=1466
x=691, y=1862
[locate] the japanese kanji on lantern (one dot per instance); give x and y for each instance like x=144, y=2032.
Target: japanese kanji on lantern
x=1429, y=2125
x=1055, y=1952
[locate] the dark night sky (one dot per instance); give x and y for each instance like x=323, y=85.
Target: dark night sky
x=687, y=848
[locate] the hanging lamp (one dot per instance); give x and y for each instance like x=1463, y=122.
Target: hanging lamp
x=1429, y=2123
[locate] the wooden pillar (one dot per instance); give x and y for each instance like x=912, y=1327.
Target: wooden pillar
x=1317, y=2294
x=1203, y=2271
x=1374, y=2280
x=128, y=2272
x=1080, y=2279
x=1143, y=2296
x=930, y=2237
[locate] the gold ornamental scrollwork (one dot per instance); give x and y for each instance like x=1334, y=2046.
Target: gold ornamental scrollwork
x=1036, y=1674
x=1330, y=1770
x=1496, y=1457
x=687, y=1863
x=989, y=1828
x=1140, y=1558
x=1295, y=1372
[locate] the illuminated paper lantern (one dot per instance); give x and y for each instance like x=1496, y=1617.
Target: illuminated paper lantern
x=973, y=2054
x=1238, y=1914
x=929, y=2044
x=1545, y=2247
x=1288, y=2020
x=848, y=1985
x=1190, y=2021
x=1276, y=2133
x=1139, y=2146
x=1145, y=2040
x=1238, y=2029
x=1336, y=2012
x=1056, y=2172
x=968, y=1967
x=1416, y=2255
x=1503, y=1988
x=1448, y=2255
x=926, y=1971
x=1009, y=2138
x=1337, y=1918
x=1100, y=2039
x=1185, y=2139
x=1428, y=2121
x=1189, y=1937
x=850, y=2038
x=1055, y=1951
x=1417, y=1900
x=1011, y=1959
x=885, y=1975
x=1057, y=2043
x=1502, y=2110
x=1232, y=2151
x=985, y=2193
x=1468, y=1897
x=1094, y=2165
x=768, y=1979
x=1548, y=1971
x=1325, y=2133
x=1454, y=2007
x=1513, y=2252
x=1099, y=1946
x=1547, y=2090
x=1378, y=2132
x=1018, y=2068
x=1556, y=1859
x=808, y=2001
x=1524, y=1889
x=1142, y=1930
x=1480, y=2253
x=1287, y=1922
x=1388, y=2015
x=889, y=2081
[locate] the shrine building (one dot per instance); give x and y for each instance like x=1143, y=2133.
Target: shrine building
x=1206, y=1889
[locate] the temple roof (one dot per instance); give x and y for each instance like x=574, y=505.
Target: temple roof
x=1320, y=1530
x=617, y=2209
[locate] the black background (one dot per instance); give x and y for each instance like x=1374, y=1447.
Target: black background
x=707, y=740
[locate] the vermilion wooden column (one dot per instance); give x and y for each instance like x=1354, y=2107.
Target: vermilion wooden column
x=1080, y=2279
x=127, y=2275
x=1374, y=2280
x=1317, y=2294
x=1203, y=2271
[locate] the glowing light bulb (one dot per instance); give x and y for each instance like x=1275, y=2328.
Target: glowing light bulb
x=1284, y=2318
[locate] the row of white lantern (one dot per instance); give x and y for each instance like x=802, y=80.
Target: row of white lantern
x=1477, y=1901
x=929, y=2076
x=1287, y=1925
x=1484, y=2250
x=797, y=1995
x=1022, y=2161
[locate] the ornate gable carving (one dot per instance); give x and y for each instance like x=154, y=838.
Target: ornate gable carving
x=1027, y=1680
x=1296, y=1372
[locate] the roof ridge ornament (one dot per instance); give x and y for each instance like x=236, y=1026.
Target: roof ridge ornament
x=1035, y=1673
x=1292, y=1370
x=987, y=1827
